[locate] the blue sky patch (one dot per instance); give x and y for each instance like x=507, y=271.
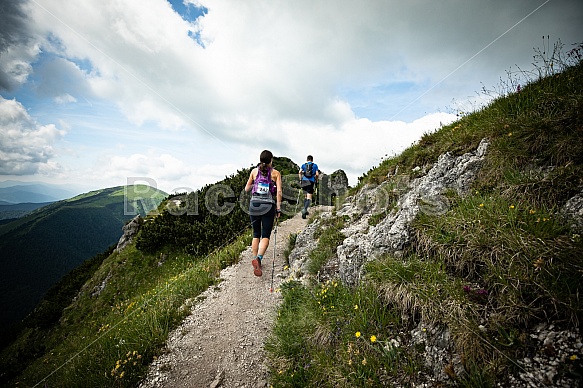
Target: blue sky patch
x=188, y=11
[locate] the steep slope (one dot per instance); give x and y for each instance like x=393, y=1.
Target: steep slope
x=456, y=263
x=37, y=250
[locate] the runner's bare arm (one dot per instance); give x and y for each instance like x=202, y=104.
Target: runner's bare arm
x=249, y=184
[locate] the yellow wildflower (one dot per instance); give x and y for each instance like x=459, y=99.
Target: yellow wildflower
x=373, y=338
x=356, y=307
x=573, y=357
x=511, y=206
x=357, y=334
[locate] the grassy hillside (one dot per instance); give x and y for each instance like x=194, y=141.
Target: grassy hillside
x=499, y=262
x=38, y=249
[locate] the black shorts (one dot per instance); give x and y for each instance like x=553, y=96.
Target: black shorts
x=262, y=216
x=308, y=186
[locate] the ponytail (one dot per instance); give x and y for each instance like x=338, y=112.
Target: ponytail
x=265, y=158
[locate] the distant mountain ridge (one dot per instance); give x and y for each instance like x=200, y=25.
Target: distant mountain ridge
x=41, y=247
x=14, y=192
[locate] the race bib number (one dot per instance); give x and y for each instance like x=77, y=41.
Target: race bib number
x=263, y=188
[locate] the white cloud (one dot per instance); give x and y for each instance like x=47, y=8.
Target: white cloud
x=343, y=81
x=277, y=62
x=18, y=48
x=165, y=171
x=26, y=147
x=359, y=143
x=15, y=65
x=65, y=98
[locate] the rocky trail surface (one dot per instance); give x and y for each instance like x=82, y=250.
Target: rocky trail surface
x=221, y=343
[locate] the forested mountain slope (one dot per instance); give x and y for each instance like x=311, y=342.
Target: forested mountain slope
x=40, y=248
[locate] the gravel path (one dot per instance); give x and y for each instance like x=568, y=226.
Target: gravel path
x=221, y=343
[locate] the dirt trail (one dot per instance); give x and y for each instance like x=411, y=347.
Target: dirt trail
x=221, y=343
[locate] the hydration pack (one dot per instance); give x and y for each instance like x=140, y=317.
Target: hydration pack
x=308, y=167
x=263, y=185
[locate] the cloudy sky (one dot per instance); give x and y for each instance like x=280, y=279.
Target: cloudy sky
x=183, y=92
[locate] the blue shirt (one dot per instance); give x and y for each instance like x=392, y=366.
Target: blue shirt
x=314, y=170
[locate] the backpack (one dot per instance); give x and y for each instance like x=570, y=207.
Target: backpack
x=263, y=185
x=308, y=167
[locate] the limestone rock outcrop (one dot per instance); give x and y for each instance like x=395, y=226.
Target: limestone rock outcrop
x=332, y=187
x=129, y=231
x=392, y=234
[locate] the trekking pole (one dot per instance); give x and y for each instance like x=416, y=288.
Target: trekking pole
x=273, y=261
